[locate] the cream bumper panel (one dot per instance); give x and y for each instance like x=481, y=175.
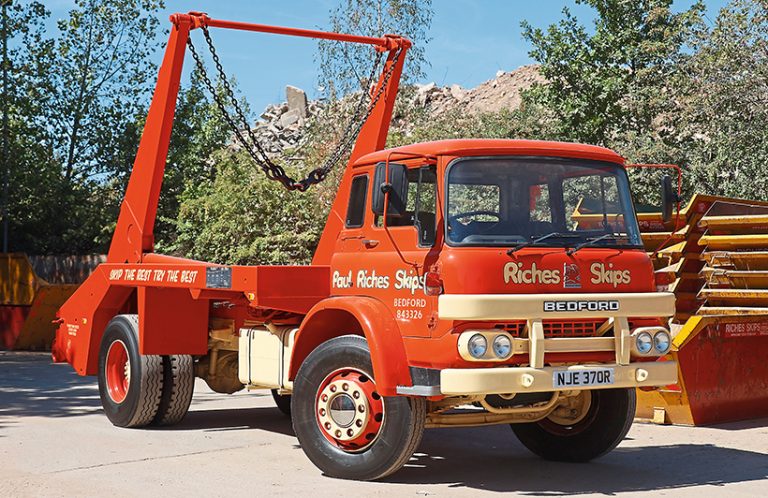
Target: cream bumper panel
x=551, y=306
x=464, y=381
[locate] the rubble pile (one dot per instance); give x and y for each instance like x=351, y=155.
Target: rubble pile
x=283, y=126
x=502, y=92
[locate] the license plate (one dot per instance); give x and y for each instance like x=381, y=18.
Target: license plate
x=582, y=378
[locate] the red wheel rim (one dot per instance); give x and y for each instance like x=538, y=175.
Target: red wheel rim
x=118, y=371
x=348, y=410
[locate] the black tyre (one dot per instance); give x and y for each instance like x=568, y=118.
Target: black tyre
x=601, y=428
x=178, y=387
x=343, y=425
x=130, y=384
x=283, y=402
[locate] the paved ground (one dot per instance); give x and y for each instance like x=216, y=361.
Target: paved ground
x=54, y=441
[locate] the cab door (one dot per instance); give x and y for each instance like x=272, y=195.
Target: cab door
x=388, y=261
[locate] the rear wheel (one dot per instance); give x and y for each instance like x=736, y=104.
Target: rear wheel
x=130, y=384
x=343, y=425
x=178, y=387
x=600, y=420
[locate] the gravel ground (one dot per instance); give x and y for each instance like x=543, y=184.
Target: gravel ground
x=55, y=441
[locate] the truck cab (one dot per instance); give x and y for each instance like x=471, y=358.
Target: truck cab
x=493, y=238
x=503, y=281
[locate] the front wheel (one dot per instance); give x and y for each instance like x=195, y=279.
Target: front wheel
x=600, y=420
x=345, y=427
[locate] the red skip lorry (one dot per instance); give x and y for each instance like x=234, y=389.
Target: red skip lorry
x=452, y=286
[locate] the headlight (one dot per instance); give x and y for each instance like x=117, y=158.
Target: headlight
x=502, y=346
x=662, y=341
x=477, y=346
x=644, y=342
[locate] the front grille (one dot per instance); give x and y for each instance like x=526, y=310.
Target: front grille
x=554, y=329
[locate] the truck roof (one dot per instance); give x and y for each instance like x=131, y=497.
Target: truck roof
x=494, y=147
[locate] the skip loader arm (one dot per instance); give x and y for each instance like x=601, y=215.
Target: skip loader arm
x=134, y=234
x=84, y=316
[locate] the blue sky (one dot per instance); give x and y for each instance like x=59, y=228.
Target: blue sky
x=471, y=39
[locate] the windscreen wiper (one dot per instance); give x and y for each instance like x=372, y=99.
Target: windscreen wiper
x=590, y=242
x=535, y=241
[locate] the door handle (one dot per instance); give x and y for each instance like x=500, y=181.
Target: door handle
x=370, y=243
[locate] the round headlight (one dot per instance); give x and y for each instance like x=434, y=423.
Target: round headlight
x=662, y=341
x=502, y=346
x=644, y=342
x=477, y=346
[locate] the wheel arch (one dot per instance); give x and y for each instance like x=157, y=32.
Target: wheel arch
x=356, y=315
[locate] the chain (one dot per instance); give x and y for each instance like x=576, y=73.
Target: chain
x=251, y=144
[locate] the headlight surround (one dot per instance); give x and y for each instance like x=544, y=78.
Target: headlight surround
x=502, y=346
x=477, y=346
x=643, y=342
x=662, y=342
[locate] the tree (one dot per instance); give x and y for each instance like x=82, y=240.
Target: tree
x=242, y=217
x=199, y=134
x=344, y=67
x=611, y=80
x=32, y=173
x=725, y=90
x=102, y=78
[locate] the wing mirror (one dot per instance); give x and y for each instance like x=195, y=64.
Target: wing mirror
x=669, y=198
x=396, y=185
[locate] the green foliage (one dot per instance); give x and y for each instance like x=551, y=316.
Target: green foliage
x=199, y=133
x=661, y=87
x=242, y=217
x=654, y=84
x=32, y=197
x=612, y=79
x=77, y=102
x=344, y=66
x=101, y=83
x=725, y=120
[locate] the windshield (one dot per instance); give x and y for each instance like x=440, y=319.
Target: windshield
x=539, y=201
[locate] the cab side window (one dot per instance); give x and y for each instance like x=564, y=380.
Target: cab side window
x=420, y=205
x=356, y=206
x=426, y=203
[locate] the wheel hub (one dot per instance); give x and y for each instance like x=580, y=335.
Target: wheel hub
x=572, y=409
x=118, y=371
x=343, y=410
x=349, y=410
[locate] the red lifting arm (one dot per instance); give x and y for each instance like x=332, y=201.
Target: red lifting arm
x=134, y=234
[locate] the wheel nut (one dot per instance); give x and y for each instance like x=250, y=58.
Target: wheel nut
x=333, y=389
x=322, y=412
x=361, y=408
x=356, y=394
x=345, y=386
x=349, y=432
x=328, y=426
x=359, y=423
x=338, y=433
x=324, y=397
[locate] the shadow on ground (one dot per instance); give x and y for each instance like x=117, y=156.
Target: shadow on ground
x=30, y=386
x=261, y=418
x=473, y=459
x=492, y=459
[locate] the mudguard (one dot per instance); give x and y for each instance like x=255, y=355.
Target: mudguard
x=359, y=315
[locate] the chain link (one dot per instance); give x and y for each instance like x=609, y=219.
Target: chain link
x=247, y=138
